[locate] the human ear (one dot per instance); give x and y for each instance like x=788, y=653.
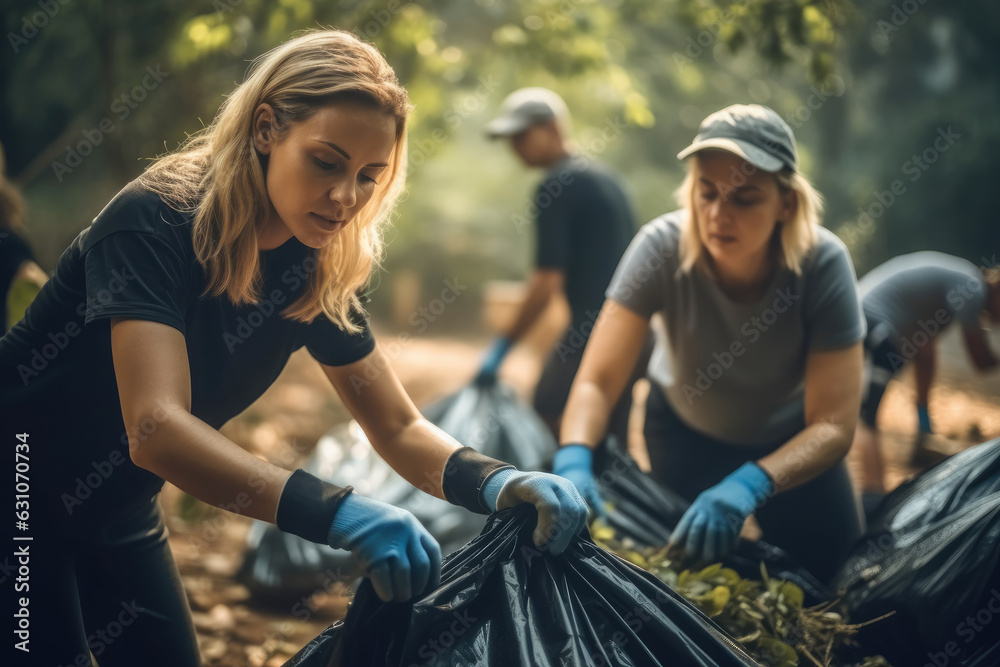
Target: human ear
x=263, y=129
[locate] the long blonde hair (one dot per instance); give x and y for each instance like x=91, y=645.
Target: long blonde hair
x=795, y=239
x=218, y=176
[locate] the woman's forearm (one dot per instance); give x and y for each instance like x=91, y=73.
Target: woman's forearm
x=811, y=452
x=585, y=420
x=418, y=452
x=611, y=354
x=196, y=458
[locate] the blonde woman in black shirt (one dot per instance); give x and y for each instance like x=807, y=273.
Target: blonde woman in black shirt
x=180, y=305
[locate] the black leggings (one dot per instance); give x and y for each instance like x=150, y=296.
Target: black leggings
x=816, y=522
x=109, y=586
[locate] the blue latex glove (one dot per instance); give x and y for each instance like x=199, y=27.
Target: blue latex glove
x=711, y=525
x=924, y=419
x=397, y=552
x=562, y=513
x=576, y=463
x=492, y=360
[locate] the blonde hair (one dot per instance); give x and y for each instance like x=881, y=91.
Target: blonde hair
x=796, y=237
x=219, y=177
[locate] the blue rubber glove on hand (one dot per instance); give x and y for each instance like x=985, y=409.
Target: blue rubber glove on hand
x=576, y=463
x=711, y=525
x=562, y=513
x=397, y=552
x=924, y=419
x=492, y=360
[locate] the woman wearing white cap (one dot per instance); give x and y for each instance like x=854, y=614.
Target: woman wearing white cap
x=756, y=374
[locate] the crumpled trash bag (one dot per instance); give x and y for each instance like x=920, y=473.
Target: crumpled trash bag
x=646, y=512
x=492, y=419
x=932, y=557
x=501, y=602
x=281, y=568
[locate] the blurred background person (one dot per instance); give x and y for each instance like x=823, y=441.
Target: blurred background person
x=756, y=372
x=20, y=275
x=583, y=223
x=908, y=302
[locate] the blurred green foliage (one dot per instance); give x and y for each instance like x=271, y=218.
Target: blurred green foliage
x=867, y=86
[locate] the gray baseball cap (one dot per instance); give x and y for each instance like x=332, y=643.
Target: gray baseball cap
x=754, y=132
x=526, y=107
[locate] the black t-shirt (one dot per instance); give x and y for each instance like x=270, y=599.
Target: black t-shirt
x=136, y=260
x=14, y=251
x=584, y=225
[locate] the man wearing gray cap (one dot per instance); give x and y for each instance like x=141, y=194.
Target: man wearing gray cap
x=583, y=224
x=756, y=371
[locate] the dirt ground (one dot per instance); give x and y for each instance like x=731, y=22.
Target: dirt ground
x=285, y=423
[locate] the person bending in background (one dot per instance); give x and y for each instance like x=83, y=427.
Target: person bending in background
x=271, y=216
x=908, y=302
x=756, y=371
x=20, y=275
x=583, y=224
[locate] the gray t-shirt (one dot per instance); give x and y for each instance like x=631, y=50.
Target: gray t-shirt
x=922, y=291
x=735, y=371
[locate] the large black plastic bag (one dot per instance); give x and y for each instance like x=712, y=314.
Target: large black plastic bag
x=493, y=420
x=503, y=603
x=646, y=512
x=932, y=557
x=281, y=568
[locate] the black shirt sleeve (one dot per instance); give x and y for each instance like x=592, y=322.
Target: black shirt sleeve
x=332, y=346
x=552, y=201
x=137, y=275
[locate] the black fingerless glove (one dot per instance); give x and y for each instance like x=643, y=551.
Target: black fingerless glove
x=307, y=506
x=465, y=474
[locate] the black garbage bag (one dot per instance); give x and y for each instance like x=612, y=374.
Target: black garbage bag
x=281, y=568
x=502, y=602
x=493, y=420
x=932, y=558
x=646, y=512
